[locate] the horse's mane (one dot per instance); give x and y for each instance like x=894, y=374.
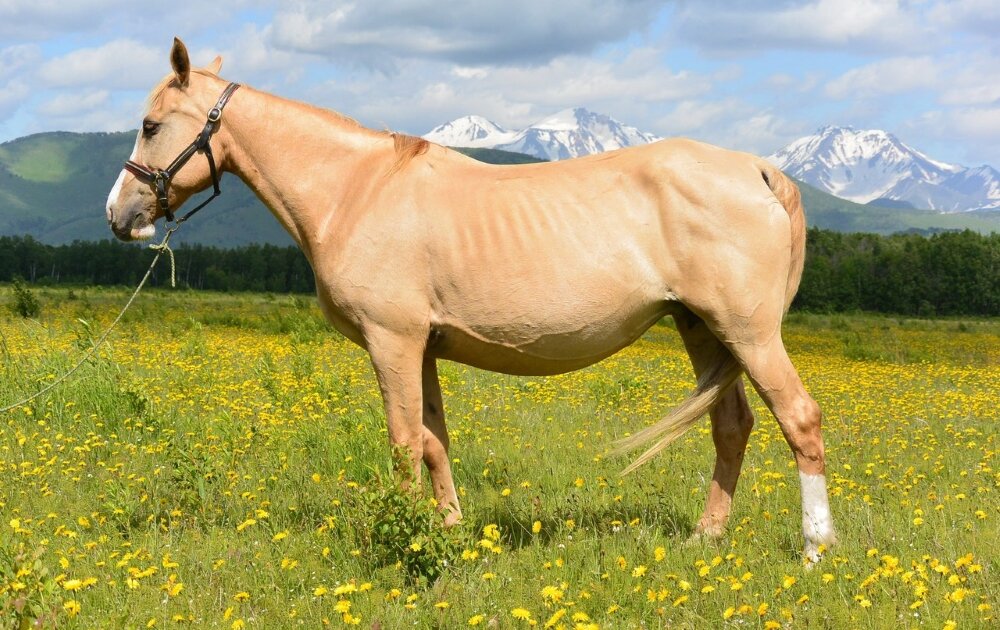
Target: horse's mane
x=407, y=148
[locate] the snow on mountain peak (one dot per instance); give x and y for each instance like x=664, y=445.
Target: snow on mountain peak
x=469, y=131
x=866, y=165
x=568, y=133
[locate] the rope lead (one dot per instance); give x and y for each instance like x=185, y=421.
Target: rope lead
x=159, y=248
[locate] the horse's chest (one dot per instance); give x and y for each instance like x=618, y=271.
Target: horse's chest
x=341, y=315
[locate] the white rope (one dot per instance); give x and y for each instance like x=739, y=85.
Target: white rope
x=159, y=248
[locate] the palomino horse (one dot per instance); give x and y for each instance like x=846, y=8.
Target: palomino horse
x=421, y=253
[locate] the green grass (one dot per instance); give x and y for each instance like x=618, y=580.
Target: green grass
x=233, y=443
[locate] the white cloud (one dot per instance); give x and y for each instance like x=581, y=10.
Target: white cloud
x=973, y=132
x=121, y=63
x=19, y=57
x=21, y=19
x=73, y=103
x=633, y=88
x=973, y=16
x=972, y=79
x=730, y=123
x=726, y=26
x=12, y=96
x=889, y=76
x=495, y=32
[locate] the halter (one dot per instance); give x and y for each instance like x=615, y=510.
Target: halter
x=160, y=179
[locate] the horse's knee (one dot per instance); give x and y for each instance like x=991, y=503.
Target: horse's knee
x=803, y=430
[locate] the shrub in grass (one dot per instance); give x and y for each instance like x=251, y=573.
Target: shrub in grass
x=25, y=303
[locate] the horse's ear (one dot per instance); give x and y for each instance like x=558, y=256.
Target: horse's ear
x=215, y=66
x=180, y=62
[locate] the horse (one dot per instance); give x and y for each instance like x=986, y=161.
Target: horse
x=423, y=254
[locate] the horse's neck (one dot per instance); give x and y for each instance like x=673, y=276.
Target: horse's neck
x=298, y=159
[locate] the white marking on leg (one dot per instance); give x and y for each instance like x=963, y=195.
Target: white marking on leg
x=817, y=523
x=117, y=189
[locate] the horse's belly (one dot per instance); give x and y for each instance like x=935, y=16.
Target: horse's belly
x=560, y=340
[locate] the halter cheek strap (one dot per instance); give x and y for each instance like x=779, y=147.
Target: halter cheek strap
x=159, y=179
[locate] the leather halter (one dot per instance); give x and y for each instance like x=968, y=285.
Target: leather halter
x=159, y=179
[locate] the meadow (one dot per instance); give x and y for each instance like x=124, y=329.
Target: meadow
x=223, y=463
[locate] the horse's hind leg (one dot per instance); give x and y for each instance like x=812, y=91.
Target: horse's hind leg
x=732, y=421
x=436, y=444
x=777, y=381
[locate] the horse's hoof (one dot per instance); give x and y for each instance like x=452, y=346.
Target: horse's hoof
x=452, y=518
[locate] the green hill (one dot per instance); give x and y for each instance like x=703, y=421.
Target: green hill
x=53, y=186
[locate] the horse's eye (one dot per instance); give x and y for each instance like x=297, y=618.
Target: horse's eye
x=149, y=128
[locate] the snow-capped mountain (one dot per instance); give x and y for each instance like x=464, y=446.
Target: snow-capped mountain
x=471, y=131
x=873, y=166
x=569, y=133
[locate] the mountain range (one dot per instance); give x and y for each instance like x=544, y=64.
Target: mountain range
x=53, y=186
x=867, y=166
x=567, y=134
x=875, y=167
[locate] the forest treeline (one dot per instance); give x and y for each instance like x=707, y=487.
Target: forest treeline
x=950, y=273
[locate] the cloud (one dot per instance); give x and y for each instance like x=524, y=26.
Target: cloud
x=981, y=17
x=493, y=32
x=633, y=88
x=747, y=26
x=73, y=103
x=972, y=80
x=12, y=96
x=22, y=20
x=731, y=122
x=973, y=131
x=121, y=64
x=889, y=76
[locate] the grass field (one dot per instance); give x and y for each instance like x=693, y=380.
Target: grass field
x=223, y=463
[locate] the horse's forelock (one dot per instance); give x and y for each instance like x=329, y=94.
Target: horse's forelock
x=167, y=82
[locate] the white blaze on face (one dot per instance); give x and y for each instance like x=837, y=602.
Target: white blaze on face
x=117, y=189
x=817, y=523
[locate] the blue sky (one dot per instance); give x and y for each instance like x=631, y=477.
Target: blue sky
x=745, y=74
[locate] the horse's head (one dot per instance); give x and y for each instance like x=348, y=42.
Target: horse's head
x=159, y=176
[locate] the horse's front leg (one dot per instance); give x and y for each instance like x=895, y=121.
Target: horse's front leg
x=398, y=362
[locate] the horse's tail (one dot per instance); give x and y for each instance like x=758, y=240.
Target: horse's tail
x=712, y=384
x=788, y=195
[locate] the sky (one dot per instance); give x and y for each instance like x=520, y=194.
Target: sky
x=745, y=74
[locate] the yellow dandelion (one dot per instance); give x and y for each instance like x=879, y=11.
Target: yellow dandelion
x=554, y=619
x=521, y=613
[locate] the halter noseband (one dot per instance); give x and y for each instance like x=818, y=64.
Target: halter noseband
x=160, y=179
